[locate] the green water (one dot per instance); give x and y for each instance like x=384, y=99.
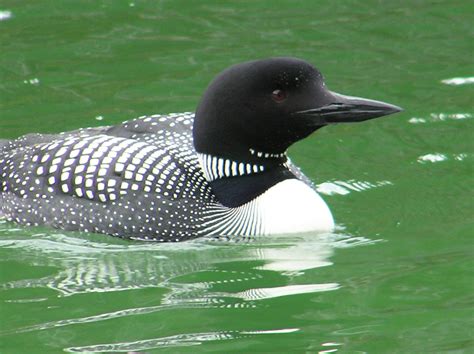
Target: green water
x=397, y=277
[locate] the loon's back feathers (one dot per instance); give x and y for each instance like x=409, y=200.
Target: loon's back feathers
x=137, y=179
x=223, y=171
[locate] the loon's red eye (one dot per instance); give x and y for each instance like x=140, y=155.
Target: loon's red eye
x=279, y=96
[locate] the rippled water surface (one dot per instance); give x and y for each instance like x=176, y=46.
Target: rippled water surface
x=397, y=275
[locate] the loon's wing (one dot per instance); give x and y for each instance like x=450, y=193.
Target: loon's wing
x=138, y=179
x=38, y=138
x=156, y=128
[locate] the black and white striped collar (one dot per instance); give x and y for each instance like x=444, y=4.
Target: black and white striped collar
x=215, y=167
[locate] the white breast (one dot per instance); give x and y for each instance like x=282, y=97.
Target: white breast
x=291, y=206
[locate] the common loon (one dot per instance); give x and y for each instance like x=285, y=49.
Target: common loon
x=220, y=171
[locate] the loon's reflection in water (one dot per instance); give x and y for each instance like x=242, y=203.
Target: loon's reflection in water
x=203, y=273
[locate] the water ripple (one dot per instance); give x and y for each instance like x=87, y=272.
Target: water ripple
x=5, y=15
x=439, y=157
x=345, y=187
x=268, y=293
x=439, y=117
x=456, y=81
x=185, y=339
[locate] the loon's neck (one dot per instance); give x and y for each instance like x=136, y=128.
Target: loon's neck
x=237, y=182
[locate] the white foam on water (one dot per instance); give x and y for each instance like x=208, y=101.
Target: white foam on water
x=456, y=81
x=5, y=15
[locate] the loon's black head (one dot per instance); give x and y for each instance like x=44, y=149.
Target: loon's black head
x=267, y=105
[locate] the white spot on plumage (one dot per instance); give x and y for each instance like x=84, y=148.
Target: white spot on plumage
x=61, y=151
x=79, y=192
x=102, y=172
x=119, y=167
x=103, y=149
x=53, y=168
x=68, y=162
x=74, y=153
x=107, y=160
x=87, y=151
x=91, y=169
x=79, y=169
x=84, y=159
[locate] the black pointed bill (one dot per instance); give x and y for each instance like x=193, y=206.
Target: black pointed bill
x=347, y=109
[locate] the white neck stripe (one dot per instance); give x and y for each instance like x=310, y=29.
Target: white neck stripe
x=266, y=154
x=215, y=167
